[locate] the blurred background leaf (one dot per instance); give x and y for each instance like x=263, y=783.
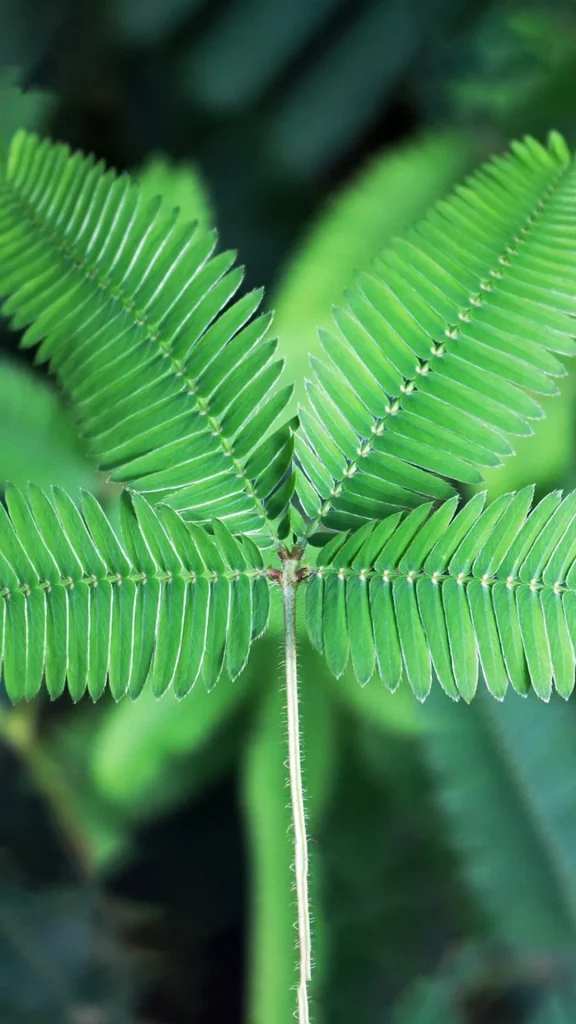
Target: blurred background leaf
x=19, y=109
x=429, y=1003
x=179, y=184
x=38, y=440
x=149, y=753
x=267, y=802
x=54, y=965
x=507, y=784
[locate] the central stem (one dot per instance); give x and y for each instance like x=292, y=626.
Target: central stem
x=289, y=584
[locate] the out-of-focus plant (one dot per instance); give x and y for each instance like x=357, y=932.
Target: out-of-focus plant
x=58, y=962
x=515, y=67
x=179, y=185
x=38, y=441
x=20, y=109
x=515, y=780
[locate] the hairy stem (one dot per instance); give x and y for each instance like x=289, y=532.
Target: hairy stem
x=289, y=584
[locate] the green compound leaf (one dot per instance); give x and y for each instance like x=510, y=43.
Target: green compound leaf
x=174, y=388
x=427, y=371
x=452, y=592
x=163, y=603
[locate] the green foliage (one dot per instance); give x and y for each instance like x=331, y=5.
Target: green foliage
x=123, y=300
x=546, y=455
x=38, y=441
x=165, y=604
x=144, y=20
x=390, y=711
x=174, y=388
x=506, y=771
x=392, y=898
x=337, y=97
x=410, y=396
x=19, y=109
x=557, y=1008
x=147, y=754
x=179, y=185
x=112, y=101
x=428, y=370
x=495, y=586
x=428, y=1003
x=517, y=67
x=492, y=980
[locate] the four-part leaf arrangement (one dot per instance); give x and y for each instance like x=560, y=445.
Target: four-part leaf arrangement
x=432, y=363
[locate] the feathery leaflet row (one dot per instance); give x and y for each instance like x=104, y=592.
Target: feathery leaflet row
x=164, y=603
x=427, y=372
x=175, y=388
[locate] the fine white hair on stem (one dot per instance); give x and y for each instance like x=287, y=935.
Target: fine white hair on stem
x=289, y=584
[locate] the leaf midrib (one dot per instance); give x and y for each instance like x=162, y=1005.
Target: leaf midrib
x=93, y=579
x=412, y=576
